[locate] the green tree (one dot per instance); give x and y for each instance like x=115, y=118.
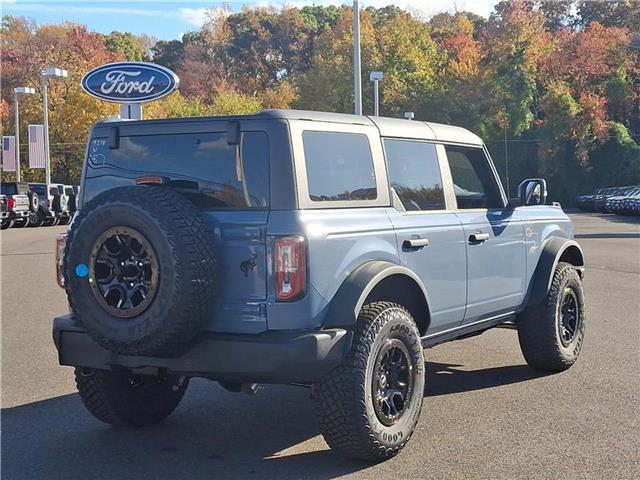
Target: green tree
x=558, y=14
x=610, y=13
x=168, y=53
x=125, y=45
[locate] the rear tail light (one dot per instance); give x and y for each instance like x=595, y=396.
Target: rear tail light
x=291, y=268
x=61, y=243
x=11, y=202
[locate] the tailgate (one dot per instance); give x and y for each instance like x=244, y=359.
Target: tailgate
x=22, y=203
x=242, y=271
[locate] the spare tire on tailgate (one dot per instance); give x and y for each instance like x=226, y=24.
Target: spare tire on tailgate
x=139, y=270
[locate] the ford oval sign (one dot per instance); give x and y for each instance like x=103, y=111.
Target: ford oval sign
x=130, y=82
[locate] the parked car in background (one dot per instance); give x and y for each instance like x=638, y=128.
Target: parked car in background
x=71, y=191
x=619, y=200
x=63, y=200
x=585, y=202
x=615, y=203
x=4, y=212
x=21, y=202
x=53, y=205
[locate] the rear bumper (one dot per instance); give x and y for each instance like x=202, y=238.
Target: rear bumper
x=18, y=214
x=270, y=357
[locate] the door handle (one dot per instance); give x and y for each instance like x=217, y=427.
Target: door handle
x=415, y=243
x=478, y=237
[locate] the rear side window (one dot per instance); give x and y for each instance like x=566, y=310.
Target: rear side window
x=202, y=165
x=473, y=181
x=339, y=166
x=414, y=174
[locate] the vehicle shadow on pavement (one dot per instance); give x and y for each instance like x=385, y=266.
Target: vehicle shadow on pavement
x=445, y=378
x=212, y=434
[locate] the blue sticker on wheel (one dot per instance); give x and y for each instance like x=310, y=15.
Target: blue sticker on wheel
x=82, y=270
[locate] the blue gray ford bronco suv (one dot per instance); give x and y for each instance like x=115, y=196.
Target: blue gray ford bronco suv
x=307, y=248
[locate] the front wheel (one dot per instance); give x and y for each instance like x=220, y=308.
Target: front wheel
x=369, y=407
x=121, y=398
x=551, y=333
x=35, y=219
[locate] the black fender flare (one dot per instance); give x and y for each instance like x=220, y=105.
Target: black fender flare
x=348, y=301
x=552, y=251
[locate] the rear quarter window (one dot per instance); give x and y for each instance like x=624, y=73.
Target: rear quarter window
x=203, y=166
x=339, y=166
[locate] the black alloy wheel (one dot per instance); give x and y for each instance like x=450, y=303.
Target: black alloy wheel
x=392, y=385
x=569, y=316
x=123, y=272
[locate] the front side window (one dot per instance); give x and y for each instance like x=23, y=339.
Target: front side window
x=339, y=166
x=414, y=174
x=473, y=181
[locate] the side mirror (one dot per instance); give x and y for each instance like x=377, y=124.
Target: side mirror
x=532, y=191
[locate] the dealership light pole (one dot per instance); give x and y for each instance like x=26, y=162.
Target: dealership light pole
x=375, y=77
x=45, y=75
x=357, y=69
x=19, y=91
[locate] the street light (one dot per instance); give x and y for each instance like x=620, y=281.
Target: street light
x=375, y=77
x=19, y=91
x=45, y=75
x=357, y=69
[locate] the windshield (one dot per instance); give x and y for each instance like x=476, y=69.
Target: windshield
x=41, y=190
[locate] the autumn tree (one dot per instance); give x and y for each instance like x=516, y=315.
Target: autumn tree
x=26, y=50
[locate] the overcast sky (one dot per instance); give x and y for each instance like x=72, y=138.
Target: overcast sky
x=169, y=19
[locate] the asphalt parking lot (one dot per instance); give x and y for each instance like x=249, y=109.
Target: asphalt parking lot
x=485, y=415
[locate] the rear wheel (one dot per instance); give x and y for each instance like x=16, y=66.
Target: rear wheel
x=369, y=407
x=121, y=398
x=551, y=334
x=6, y=223
x=23, y=222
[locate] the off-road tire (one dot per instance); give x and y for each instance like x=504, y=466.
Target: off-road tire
x=118, y=398
x=21, y=223
x=34, y=201
x=539, y=325
x=346, y=415
x=42, y=217
x=6, y=223
x=36, y=219
x=184, y=247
